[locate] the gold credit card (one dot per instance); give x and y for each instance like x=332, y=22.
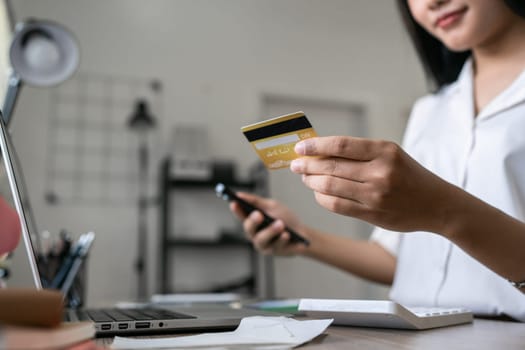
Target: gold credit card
x=274, y=139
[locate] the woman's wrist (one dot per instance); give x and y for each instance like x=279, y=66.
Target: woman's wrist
x=319, y=243
x=451, y=211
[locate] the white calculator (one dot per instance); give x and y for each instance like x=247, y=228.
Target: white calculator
x=383, y=313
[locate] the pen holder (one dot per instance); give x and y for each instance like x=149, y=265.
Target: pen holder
x=51, y=265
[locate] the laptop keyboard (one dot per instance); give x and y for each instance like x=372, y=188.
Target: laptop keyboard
x=120, y=315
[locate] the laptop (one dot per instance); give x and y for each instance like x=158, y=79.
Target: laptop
x=147, y=319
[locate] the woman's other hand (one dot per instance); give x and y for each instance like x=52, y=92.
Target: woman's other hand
x=273, y=239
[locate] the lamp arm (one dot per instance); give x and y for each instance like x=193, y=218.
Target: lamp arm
x=13, y=89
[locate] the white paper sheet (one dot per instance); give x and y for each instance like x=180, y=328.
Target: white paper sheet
x=256, y=332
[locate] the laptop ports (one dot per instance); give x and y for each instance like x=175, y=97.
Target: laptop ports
x=105, y=326
x=142, y=325
x=122, y=326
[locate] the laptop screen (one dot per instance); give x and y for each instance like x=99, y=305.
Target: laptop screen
x=20, y=200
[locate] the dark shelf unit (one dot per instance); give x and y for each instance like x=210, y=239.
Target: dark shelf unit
x=168, y=243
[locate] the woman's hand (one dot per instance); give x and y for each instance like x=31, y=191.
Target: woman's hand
x=273, y=239
x=375, y=181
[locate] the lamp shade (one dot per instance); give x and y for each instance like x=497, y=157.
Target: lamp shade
x=43, y=53
x=141, y=119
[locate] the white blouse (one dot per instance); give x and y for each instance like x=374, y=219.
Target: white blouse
x=485, y=156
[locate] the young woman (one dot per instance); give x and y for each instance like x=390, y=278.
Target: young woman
x=457, y=190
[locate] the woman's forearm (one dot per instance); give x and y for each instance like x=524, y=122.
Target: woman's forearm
x=494, y=238
x=360, y=257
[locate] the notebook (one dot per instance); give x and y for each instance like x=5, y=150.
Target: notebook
x=383, y=313
x=114, y=321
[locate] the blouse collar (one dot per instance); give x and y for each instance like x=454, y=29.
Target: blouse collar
x=512, y=95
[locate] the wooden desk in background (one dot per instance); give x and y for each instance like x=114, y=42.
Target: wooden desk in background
x=480, y=335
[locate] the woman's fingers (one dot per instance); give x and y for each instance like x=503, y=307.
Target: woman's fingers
x=269, y=240
x=251, y=223
x=265, y=238
x=272, y=239
x=344, y=206
x=278, y=244
x=340, y=146
x=332, y=166
x=339, y=188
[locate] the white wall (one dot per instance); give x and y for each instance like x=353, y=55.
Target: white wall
x=216, y=58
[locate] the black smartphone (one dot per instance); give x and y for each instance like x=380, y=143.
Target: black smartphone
x=227, y=194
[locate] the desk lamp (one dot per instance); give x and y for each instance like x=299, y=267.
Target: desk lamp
x=42, y=53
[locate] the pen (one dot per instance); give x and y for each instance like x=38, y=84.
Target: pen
x=77, y=262
x=78, y=250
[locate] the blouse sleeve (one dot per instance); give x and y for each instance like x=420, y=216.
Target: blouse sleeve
x=387, y=239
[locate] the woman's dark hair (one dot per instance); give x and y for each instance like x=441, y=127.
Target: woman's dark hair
x=441, y=65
